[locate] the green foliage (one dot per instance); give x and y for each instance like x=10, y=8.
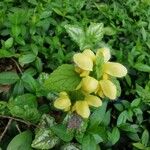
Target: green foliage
x=21, y=141
x=39, y=36
x=57, y=79
x=25, y=107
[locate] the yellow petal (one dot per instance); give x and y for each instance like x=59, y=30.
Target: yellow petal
x=82, y=109
x=62, y=102
x=89, y=53
x=115, y=69
x=109, y=89
x=89, y=84
x=105, y=52
x=77, y=69
x=83, y=61
x=93, y=100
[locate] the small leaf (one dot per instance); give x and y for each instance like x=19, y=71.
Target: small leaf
x=6, y=54
x=95, y=32
x=114, y=136
x=62, y=132
x=145, y=137
x=98, y=115
x=64, y=78
x=26, y=59
x=9, y=43
x=139, y=146
x=89, y=143
x=77, y=34
x=142, y=67
x=21, y=141
x=8, y=78
x=122, y=118
x=136, y=102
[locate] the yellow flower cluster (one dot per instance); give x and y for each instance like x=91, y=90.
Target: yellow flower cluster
x=84, y=64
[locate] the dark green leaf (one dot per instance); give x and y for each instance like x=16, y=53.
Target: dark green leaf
x=8, y=78
x=21, y=141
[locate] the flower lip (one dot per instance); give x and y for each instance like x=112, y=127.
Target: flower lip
x=89, y=84
x=82, y=61
x=115, y=69
x=109, y=89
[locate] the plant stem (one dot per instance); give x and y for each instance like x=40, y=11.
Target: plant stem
x=6, y=128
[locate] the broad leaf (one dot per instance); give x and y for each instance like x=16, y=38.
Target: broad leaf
x=8, y=77
x=24, y=106
x=64, y=78
x=21, y=141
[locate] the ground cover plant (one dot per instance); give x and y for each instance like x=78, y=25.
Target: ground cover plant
x=75, y=75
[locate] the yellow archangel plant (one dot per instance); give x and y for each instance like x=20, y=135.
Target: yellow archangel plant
x=92, y=87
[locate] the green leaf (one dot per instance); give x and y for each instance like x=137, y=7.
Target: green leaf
x=88, y=143
x=8, y=78
x=21, y=141
x=29, y=82
x=24, y=106
x=135, y=102
x=95, y=32
x=114, y=136
x=6, y=54
x=44, y=137
x=8, y=43
x=145, y=137
x=142, y=67
x=122, y=118
x=26, y=59
x=64, y=78
x=139, y=146
x=98, y=115
x=77, y=34
x=16, y=30
x=18, y=88
x=62, y=132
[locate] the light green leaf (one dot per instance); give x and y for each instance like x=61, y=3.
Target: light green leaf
x=21, y=141
x=6, y=54
x=139, y=146
x=8, y=43
x=142, y=67
x=89, y=143
x=64, y=78
x=26, y=59
x=8, y=78
x=77, y=34
x=114, y=136
x=122, y=118
x=62, y=132
x=44, y=137
x=145, y=137
x=24, y=106
x=95, y=32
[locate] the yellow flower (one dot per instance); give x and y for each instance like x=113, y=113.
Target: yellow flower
x=84, y=62
x=108, y=89
x=88, y=84
x=63, y=102
x=111, y=68
x=115, y=69
x=82, y=106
